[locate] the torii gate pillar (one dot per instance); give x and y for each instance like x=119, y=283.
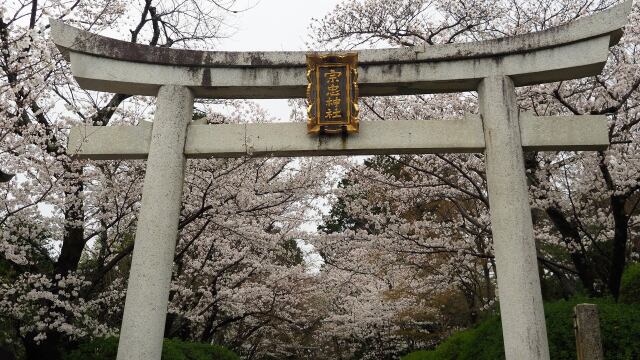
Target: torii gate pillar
x=145, y=306
x=523, y=325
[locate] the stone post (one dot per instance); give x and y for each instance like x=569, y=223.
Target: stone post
x=523, y=324
x=145, y=308
x=587, y=329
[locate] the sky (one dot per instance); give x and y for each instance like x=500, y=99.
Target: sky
x=273, y=25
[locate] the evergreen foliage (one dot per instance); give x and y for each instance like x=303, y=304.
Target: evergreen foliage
x=107, y=349
x=619, y=324
x=630, y=285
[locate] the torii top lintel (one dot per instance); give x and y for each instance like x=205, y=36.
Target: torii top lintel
x=570, y=51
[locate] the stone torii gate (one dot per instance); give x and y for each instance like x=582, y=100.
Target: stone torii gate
x=492, y=68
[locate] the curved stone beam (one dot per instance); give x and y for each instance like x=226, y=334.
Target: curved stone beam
x=570, y=51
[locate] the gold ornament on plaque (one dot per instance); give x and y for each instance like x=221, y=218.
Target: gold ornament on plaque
x=332, y=93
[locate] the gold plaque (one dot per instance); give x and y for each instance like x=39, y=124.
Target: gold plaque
x=332, y=93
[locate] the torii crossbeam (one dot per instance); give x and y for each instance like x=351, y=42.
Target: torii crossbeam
x=493, y=68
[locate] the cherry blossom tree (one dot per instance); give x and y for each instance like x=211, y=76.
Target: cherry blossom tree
x=420, y=223
x=67, y=226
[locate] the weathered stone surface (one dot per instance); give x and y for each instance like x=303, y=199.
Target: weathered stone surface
x=574, y=50
x=563, y=62
x=109, y=142
x=379, y=137
x=568, y=133
x=609, y=23
x=523, y=325
x=145, y=308
x=587, y=329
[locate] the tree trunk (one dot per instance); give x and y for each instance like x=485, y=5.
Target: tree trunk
x=619, y=246
x=570, y=232
x=73, y=242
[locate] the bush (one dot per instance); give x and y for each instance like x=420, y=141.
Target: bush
x=630, y=285
x=107, y=349
x=619, y=323
x=479, y=343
